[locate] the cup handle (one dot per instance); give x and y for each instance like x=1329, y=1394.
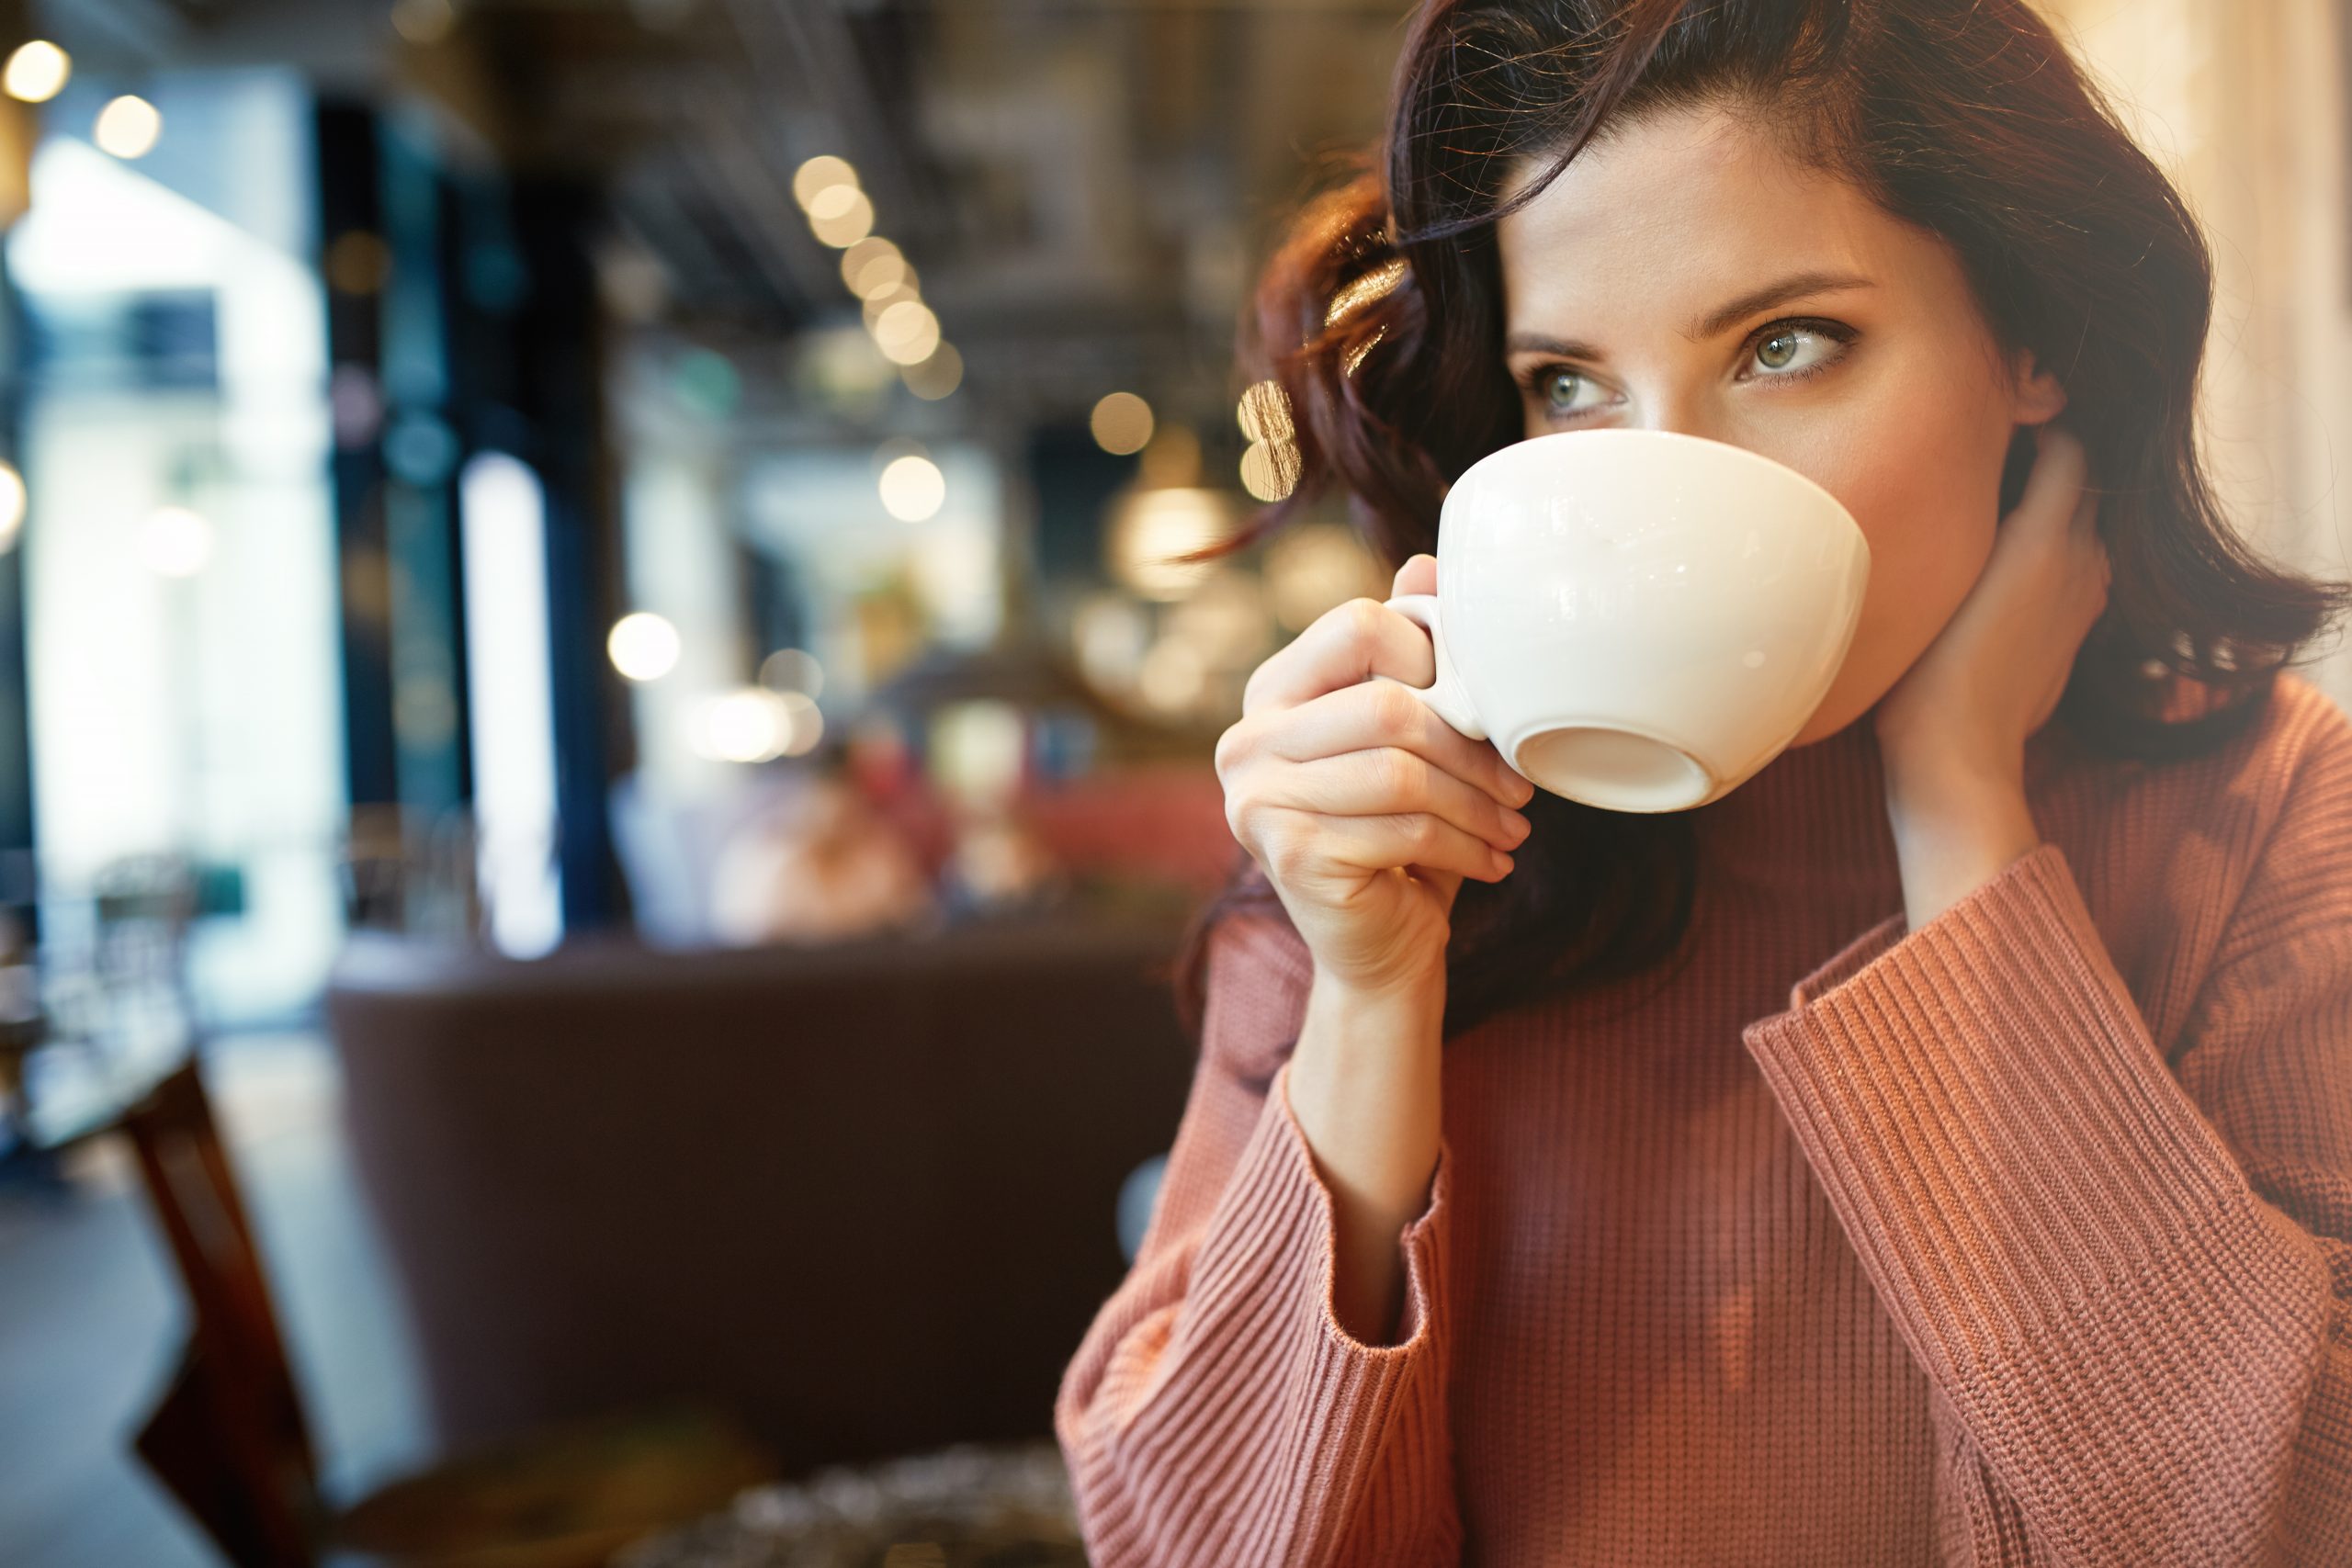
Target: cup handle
x=1444, y=695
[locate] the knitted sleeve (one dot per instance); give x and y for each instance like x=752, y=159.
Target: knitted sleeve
x=2134, y=1305
x=1216, y=1411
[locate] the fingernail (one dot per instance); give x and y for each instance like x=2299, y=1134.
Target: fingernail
x=1518, y=825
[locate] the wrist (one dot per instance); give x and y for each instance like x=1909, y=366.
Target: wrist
x=1403, y=997
x=1952, y=842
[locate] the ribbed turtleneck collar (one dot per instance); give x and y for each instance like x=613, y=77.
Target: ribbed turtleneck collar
x=1815, y=817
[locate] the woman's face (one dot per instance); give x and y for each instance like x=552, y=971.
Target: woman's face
x=1684, y=274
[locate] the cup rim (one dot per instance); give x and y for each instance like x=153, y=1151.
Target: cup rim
x=1624, y=434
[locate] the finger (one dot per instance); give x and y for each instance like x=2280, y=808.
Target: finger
x=1377, y=843
x=1377, y=712
x=1344, y=645
x=1388, y=779
x=2086, y=514
x=2055, y=486
x=1418, y=575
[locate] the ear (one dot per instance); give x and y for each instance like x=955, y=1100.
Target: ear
x=2035, y=395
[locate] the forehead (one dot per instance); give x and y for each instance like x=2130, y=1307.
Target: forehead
x=1682, y=201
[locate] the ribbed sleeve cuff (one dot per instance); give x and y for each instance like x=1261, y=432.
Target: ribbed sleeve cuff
x=1338, y=1440
x=1984, y=1107
x=1273, y=1244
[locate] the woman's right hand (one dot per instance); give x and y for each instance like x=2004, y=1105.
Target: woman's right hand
x=1363, y=807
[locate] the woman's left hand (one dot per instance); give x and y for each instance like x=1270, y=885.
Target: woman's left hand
x=1952, y=731
x=1995, y=673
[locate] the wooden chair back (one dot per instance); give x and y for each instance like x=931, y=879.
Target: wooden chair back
x=228, y=1436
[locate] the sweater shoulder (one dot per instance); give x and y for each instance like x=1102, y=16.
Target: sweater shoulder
x=2234, y=795
x=2286, y=762
x=2186, y=864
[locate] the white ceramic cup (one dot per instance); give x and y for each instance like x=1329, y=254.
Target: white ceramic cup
x=1638, y=619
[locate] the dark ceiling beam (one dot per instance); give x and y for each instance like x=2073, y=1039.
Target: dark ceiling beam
x=802, y=55
x=744, y=186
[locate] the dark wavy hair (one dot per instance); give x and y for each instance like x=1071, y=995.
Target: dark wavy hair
x=1379, y=315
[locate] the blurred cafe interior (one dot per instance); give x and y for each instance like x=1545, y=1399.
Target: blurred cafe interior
x=601, y=756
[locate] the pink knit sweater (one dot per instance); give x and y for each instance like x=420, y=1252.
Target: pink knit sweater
x=2023, y=1238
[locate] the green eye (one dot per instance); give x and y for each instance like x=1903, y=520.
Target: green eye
x=1794, y=349
x=1560, y=391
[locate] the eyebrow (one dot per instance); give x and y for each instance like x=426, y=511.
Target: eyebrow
x=1797, y=286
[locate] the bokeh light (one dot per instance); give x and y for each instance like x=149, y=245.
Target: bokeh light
x=1270, y=470
x=874, y=264
x=1264, y=412
x=912, y=489
x=792, y=669
x=37, y=72
x=882, y=300
x=129, y=127
x=755, y=725
x=934, y=378
x=1151, y=525
x=423, y=21
x=358, y=262
x=820, y=173
x=1120, y=424
x=907, y=333
x=644, y=646
x=840, y=215
x=1315, y=566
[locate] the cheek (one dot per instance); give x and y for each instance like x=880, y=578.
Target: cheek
x=1925, y=486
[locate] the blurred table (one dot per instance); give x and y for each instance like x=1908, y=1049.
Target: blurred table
x=971, y=1505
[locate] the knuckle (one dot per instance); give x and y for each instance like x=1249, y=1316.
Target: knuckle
x=1397, y=712
x=1230, y=746
x=1399, y=774
x=1241, y=815
x=1285, y=856
x=1363, y=618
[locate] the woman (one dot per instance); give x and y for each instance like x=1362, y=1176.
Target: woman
x=1937, y=1150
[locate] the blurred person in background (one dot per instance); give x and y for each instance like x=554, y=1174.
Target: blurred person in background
x=820, y=862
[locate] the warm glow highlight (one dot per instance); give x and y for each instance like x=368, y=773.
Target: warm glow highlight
x=874, y=264
x=907, y=333
x=1122, y=423
x=840, y=215
x=129, y=127
x=642, y=646
x=37, y=72
x=819, y=173
x=914, y=488
x=936, y=377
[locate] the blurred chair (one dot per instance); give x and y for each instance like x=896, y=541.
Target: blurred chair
x=230, y=1439
x=867, y=1191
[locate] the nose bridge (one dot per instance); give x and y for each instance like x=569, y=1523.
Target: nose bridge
x=1682, y=410
x=1674, y=394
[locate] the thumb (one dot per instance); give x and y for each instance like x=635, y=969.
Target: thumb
x=1418, y=575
